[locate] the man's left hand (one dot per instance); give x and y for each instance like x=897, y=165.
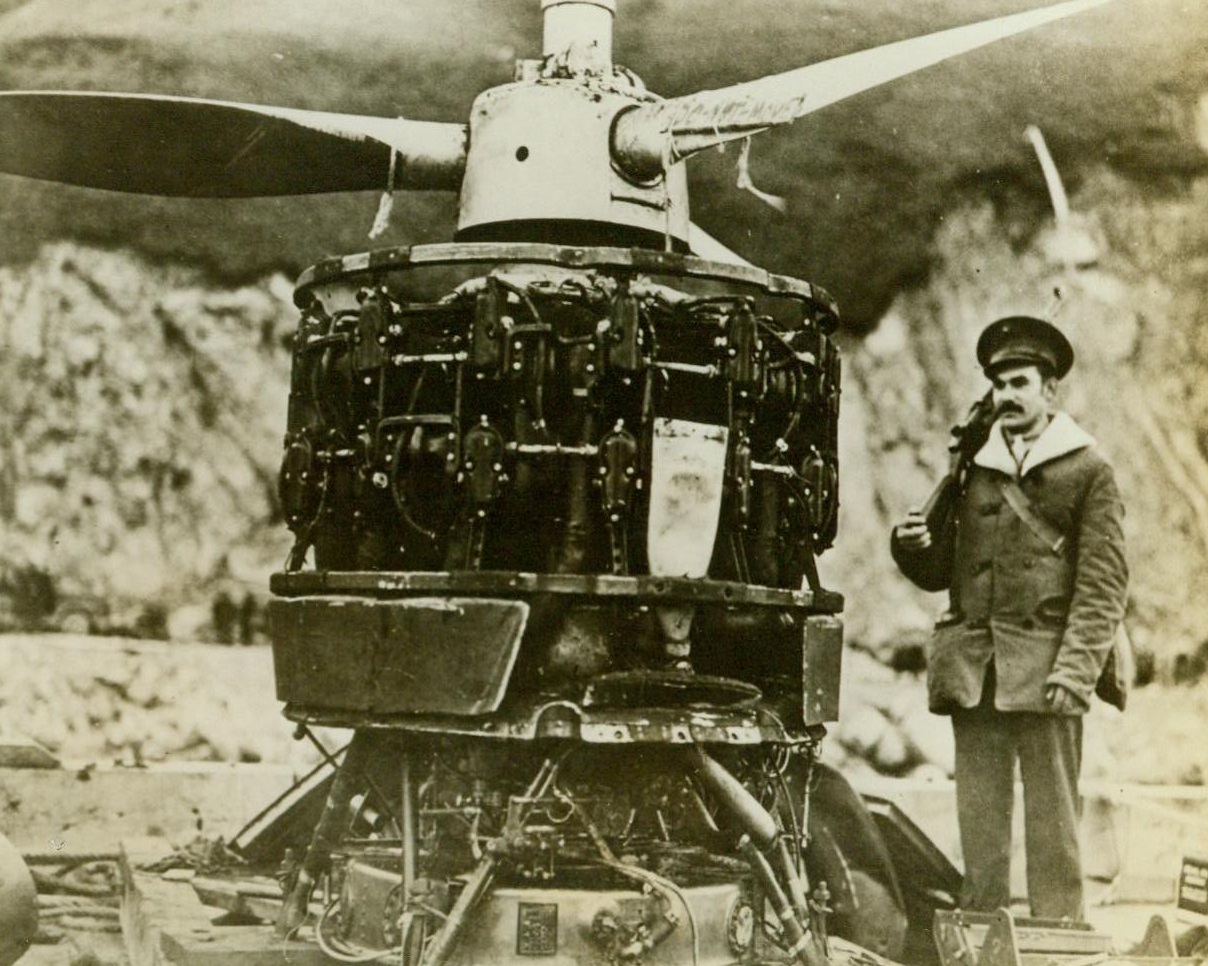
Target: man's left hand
x=1062, y=700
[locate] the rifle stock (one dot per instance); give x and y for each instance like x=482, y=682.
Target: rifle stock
x=940, y=509
x=967, y=438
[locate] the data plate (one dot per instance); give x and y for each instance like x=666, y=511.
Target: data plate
x=1193, y=886
x=537, y=929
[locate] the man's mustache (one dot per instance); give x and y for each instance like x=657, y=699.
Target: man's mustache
x=1009, y=407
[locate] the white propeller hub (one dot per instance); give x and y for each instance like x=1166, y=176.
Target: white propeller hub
x=539, y=157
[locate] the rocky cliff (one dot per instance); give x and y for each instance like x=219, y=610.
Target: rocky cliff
x=1127, y=278
x=143, y=409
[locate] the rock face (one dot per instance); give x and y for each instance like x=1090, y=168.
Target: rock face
x=1133, y=308
x=142, y=418
x=111, y=701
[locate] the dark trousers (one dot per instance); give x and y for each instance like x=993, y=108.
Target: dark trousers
x=1048, y=748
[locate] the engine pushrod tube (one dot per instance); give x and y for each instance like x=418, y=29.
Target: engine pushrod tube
x=711, y=371
x=429, y=357
x=554, y=449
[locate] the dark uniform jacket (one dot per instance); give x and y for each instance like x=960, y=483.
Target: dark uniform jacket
x=1041, y=616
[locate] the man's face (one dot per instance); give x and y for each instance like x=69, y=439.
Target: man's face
x=1023, y=398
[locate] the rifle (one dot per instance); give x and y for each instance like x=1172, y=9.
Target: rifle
x=967, y=438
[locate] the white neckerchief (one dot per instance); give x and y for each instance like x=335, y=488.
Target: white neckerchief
x=1060, y=437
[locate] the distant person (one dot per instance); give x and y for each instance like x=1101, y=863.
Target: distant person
x=1037, y=580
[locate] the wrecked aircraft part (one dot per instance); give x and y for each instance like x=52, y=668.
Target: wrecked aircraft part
x=532, y=482
x=18, y=905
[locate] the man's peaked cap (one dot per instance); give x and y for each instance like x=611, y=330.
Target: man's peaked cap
x=1022, y=340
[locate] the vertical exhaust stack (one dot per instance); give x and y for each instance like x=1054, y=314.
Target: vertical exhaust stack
x=584, y=26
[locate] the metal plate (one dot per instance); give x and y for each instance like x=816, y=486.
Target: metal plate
x=821, y=669
x=446, y=656
x=489, y=932
x=536, y=929
x=323, y=650
x=1193, y=886
x=416, y=656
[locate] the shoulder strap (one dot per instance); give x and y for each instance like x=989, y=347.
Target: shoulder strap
x=1018, y=501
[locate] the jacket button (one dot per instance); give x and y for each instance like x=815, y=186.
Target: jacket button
x=1027, y=624
x=989, y=509
x=1028, y=563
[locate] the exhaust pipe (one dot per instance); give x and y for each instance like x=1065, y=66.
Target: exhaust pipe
x=766, y=849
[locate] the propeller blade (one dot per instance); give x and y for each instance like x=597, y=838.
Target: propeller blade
x=196, y=148
x=705, y=245
x=702, y=120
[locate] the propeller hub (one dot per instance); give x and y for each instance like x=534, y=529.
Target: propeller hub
x=540, y=162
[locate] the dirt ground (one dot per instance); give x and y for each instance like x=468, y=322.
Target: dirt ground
x=109, y=700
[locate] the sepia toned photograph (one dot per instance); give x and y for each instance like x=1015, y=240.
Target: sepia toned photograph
x=603, y=483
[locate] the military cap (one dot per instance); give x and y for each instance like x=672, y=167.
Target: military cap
x=1023, y=340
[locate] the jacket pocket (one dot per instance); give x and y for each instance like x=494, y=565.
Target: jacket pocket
x=1053, y=610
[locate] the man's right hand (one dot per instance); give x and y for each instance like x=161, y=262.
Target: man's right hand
x=912, y=533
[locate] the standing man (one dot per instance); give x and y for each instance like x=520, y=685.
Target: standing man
x=1037, y=581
